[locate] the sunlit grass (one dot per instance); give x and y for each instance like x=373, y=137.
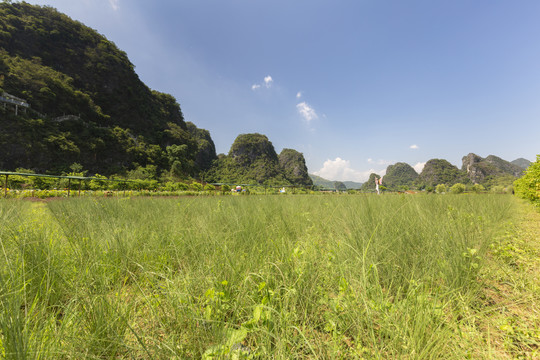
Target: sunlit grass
x=269, y=277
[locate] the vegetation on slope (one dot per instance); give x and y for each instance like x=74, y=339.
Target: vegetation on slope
x=440, y=171
x=114, y=122
x=253, y=159
x=400, y=176
x=293, y=166
x=89, y=108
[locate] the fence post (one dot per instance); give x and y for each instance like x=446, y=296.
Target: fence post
x=5, y=186
x=69, y=185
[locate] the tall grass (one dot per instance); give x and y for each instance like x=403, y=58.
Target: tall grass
x=321, y=277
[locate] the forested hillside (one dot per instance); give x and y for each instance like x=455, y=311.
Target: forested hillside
x=252, y=159
x=71, y=100
x=86, y=104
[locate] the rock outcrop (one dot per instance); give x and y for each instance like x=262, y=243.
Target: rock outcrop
x=481, y=169
x=294, y=167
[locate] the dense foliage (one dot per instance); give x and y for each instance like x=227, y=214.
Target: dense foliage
x=87, y=104
x=528, y=186
x=253, y=159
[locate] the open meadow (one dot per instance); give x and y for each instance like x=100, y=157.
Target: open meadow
x=258, y=277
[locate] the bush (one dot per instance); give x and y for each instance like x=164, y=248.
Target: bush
x=209, y=187
x=457, y=188
x=440, y=189
x=195, y=186
x=477, y=188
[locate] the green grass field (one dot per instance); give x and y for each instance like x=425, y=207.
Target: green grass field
x=255, y=277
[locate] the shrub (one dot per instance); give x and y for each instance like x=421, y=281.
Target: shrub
x=209, y=187
x=477, y=188
x=195, y=186
x=457, y=188
x=440, y=189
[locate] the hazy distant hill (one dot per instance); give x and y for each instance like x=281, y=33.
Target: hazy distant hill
x=321, y=182
x=522, y=163
x=329, y=184
x=352, y=185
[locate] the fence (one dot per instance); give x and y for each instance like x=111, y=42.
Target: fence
x=80, y=178
x=283, y=188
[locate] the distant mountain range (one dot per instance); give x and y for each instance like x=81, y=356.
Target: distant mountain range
x=489, y=171
x=330, y=184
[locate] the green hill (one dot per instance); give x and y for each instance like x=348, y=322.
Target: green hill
x=491, y=170
x=353, y=185
x=252, y=159
x=399, y=176
x=293, y=166
x=85, y=102
x=321, y=182
x=440, y=171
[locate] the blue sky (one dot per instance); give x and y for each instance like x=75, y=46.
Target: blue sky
x=354, y=85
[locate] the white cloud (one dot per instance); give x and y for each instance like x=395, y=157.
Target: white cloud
x=419, y=167
x=268, y=81
x=414, y=147
x=299, y=95
x=114, y=4
x=307, y=112
x=340, y=170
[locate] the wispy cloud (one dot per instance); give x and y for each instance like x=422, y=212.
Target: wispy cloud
x=115, y=4
x=340, y=170
x=307, y=112
x=268, y=81
x=299, y=95
x=414, y=147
